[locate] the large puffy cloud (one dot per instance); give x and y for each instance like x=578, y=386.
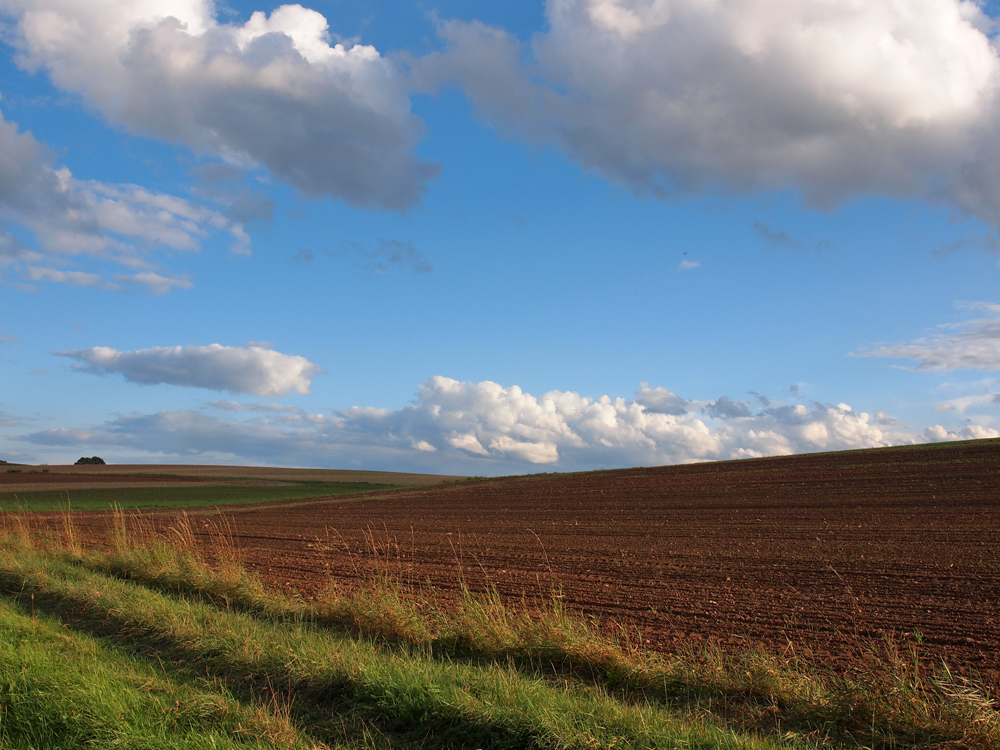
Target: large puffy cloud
x=254, y=369
x=836, y=98
x=327, y=119
x=566, y=429
x=485, y=428
x=73, y=219
x=972, y=344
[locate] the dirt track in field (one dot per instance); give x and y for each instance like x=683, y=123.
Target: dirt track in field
x=822, y=552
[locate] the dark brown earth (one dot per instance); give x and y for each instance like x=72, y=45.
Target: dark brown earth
x=46, y=479
x=819, y=553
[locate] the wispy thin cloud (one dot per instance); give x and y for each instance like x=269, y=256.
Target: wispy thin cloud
x=6, y=420
x=986, y=242
x=387, y=257
x=969, y=345
x=235, y=406
x=84, y=221
x=776, y=238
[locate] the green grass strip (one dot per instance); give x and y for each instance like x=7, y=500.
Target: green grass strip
x=61, y=689
x=145, y=498
x=332, y=681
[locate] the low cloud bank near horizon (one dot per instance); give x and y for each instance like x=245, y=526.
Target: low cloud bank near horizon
x=255, y=370
x=485, y=428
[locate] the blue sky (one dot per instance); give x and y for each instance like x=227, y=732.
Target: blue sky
x=488, y=240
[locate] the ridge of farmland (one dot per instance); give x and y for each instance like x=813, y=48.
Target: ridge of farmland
x=48, y=488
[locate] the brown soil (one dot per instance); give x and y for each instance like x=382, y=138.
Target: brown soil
x=25, y=481
x=819, y=554
x=175, y=472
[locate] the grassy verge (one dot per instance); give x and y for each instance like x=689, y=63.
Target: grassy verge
x=329, y=681
x=146, y=498
x=478, y=673
x=63, y=689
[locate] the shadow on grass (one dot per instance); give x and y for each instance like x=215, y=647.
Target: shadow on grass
x=894, y=704
x=338, y=706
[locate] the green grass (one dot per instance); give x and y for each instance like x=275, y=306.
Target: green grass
x=336, y=688
x=64, y=689
x=147, y=498
x=384, y=667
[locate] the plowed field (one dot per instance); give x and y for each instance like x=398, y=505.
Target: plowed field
x=818, y=553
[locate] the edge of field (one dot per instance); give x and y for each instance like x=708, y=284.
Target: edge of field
x=139, y=625
x=227, y=471
x=169, y=487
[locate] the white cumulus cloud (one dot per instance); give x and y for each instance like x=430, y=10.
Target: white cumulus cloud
x=836, y=98
x=328, y=118
x=254, y=370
